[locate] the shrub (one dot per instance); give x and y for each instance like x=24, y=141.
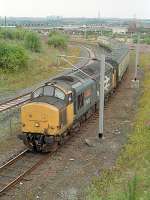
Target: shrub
x=12, y=57
x=19, y=34
x=7, y=34
x=32, y=42
x=12, y=34
x=57, y=40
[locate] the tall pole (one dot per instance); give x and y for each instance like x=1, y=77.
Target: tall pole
x=5, y=21
x=101, y=96
x=85, y=34
x=137, y=56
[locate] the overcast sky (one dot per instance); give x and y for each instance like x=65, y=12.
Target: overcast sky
x=76, y=8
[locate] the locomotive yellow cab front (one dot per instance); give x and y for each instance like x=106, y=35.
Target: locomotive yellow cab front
x=46, y=118
x=40, y=118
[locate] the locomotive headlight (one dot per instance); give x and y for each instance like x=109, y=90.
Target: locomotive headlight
x=37, y=124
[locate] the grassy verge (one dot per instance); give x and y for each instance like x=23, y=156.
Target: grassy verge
x=130, y=178
x=41, y=66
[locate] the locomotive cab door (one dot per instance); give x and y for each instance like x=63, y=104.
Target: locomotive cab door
x=70, y=109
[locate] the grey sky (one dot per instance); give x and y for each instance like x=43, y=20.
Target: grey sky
x=76, y=8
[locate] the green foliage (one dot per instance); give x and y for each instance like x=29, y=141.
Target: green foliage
x=12, y=57
x=12, y=34
x=57, y=40
x=7, y=34
x=32, y=42
x=146, y=40
x=131, y=193
x=20, y=34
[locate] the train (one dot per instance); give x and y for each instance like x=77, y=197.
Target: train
x=59, y=107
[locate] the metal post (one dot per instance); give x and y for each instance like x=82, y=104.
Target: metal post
x=101, y=96
x=137, y=56
x=5, y=21
x=85, y=34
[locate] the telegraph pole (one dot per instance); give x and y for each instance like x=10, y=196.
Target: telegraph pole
x=85, y=34
x=101, y=96
x=137, y=56
x=5, y=21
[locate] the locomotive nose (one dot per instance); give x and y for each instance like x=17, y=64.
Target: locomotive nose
x=39, y=118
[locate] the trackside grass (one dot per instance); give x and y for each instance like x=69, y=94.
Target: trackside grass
x=41, y=66
x=130, y=178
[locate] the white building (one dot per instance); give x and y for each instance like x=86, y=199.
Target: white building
x=119, y=30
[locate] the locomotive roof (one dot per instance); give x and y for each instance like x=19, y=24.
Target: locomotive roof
x=77, y=78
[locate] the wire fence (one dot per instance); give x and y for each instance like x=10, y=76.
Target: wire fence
x=10, y=123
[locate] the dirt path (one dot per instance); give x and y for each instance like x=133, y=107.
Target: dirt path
x=67, y=173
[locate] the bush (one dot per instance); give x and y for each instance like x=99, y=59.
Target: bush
x=20, y=34
x=7, y=34
x=12, y=57
x=57, y=40
x=32, y=42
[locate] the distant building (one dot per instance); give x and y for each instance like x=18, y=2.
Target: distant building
x=119, y=30
x=7, y=26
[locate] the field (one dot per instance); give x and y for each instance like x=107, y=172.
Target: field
x=129, y=179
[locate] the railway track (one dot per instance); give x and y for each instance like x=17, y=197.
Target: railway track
x=27, y=97
x=18, y=167
x=15, y=102
x=15, y=170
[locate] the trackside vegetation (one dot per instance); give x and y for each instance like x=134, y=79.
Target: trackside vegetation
x=57, y=40
x=130, y=178
x=32, y=42
x=12, y=57
x=25, y=55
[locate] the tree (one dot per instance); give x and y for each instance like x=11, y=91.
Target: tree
x=12, y=57
x=32, y=42
x=57, y=40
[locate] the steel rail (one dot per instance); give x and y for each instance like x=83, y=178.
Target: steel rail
x=20, y=177
x=13, y=159
x=14, y=102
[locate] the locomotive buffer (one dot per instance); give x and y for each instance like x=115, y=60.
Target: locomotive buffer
x=101, y=88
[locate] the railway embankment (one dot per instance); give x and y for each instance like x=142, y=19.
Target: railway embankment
x=129, y=179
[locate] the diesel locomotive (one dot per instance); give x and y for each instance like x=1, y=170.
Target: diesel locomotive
x=59, y=107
